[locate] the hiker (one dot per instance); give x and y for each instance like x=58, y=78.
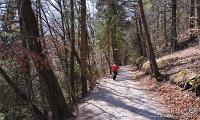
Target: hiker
x=115, y=68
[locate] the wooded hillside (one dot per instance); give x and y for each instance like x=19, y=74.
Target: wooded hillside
x=52, y=52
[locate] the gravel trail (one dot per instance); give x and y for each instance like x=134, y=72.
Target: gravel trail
x=123, y=99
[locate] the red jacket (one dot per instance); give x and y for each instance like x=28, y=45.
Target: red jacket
x=115, y=67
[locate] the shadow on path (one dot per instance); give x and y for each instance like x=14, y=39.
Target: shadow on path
x=113, y=100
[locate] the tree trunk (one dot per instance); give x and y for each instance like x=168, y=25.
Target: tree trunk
x=198, y=14
x=28, y=79
x=26, y=70
x=142, y=36
x=84, y=49
x=108, y=47
x=173, y=27
x=72, y=46
x=140, y=41
x=54, y=94
x=108, y=61
x=40, y=26
x=165, y=23
x=192, y=20
x=152, y=59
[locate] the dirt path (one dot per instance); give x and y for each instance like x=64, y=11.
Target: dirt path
x=123, y=99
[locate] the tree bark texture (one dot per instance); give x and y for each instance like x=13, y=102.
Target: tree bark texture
x=72, y=46
x=84, y=49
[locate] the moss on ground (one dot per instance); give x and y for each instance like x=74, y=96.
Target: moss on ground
x=146, y=67
x=179, y=78
x=194, y=82
x=2, y=116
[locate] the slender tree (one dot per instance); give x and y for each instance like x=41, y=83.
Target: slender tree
x=192, y=20
x=41, y=33
x=173, y=26
x=84, y=49
x=165, y=23
x=198, y=13
x=151, y=54
x=141, y=35
x=72, y=45
x=140, y=41
x=40, y=21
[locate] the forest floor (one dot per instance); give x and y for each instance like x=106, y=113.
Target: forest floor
x=182, y=104
x=123, y=99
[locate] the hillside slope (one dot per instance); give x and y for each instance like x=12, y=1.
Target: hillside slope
x=180, y=67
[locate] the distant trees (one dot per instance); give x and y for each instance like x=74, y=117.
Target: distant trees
x=111, y=27
x=161, y=15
